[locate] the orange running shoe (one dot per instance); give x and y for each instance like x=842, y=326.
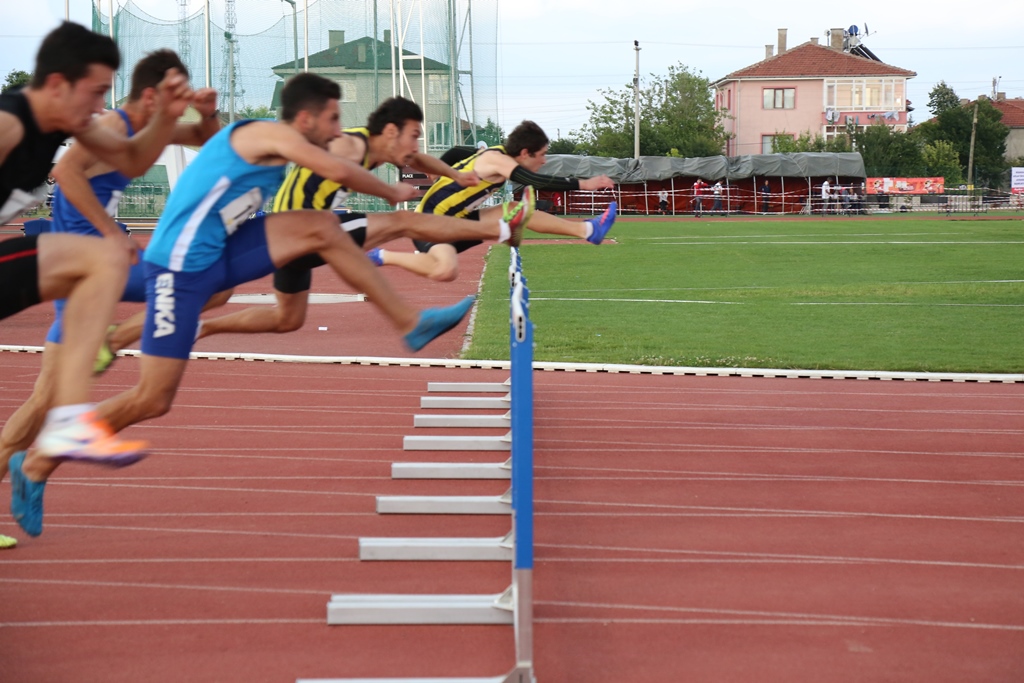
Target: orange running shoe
x=87, y=438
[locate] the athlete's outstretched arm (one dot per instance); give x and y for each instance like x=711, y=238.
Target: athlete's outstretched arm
x=257, y=140
x=133, y=156
x=196, y=134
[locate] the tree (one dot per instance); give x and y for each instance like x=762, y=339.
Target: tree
x=562, y=146
x=941, y=159
x=954, y=126
x=15, y=79
x=251, y=112
x=890, y=153
x=941, y=98
x=490, y=132
x=783, y=143
x=677, y=111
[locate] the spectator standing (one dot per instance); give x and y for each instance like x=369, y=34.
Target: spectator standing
x=698, y=197
x=663, y=201
x=717, y=190
x=825, y=193
x=766, y=193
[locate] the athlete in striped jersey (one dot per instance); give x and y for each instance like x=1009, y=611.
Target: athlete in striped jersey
x=391, y=136
x=518, y=160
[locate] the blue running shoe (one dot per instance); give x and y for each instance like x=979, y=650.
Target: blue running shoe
x=602, y=224
x=375, y=256
x=26, y=497
x=436, y=321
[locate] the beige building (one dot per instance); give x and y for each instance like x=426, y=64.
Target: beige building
x=811, y=89
x=362, y=68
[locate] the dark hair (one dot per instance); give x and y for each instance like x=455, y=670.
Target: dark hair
x=457, y=154
x=307, y=92
x=69, y=50
x=151, y=70
x=527, y=135
x=396, y=110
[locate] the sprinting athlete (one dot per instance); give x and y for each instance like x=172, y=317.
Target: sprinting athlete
x=85, y=203
x=518, y=160
x=206, y=242
x=73, y=71
x=391, y=136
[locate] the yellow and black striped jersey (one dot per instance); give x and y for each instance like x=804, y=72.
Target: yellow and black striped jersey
x=303, y=189
x=447, y=198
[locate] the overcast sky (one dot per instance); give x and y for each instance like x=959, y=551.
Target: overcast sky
x=554, y=55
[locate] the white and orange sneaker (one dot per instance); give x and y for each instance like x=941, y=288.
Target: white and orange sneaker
x=86, y=438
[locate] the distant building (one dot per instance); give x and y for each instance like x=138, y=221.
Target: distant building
x=1013, y=116
x=811, y=88
x=362, y=68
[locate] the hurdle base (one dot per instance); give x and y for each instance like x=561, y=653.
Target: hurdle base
x=503, y=421
x=444, y=505
x=451, y=470
x=418, y=609
x=445, y=549
x=458, y=443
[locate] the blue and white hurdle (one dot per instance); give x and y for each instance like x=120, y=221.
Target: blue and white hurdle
x=514, y=605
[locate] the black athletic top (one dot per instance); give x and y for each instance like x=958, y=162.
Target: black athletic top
x=28, y=164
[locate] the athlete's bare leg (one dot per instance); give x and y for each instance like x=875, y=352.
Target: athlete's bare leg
x=24, y=424
x=287, y=315
x=439, y=263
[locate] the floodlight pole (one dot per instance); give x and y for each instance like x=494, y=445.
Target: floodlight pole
x=113, y=80
x=636, y=103
x=295, y=36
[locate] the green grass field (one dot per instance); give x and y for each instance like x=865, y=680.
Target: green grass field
x=902, y=294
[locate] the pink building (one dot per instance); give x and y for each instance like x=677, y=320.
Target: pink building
x=810, y=88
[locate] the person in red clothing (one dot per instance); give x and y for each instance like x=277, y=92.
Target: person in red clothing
x=699, y=189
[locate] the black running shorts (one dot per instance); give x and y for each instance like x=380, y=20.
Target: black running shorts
x=297, y=276
x=19, y=275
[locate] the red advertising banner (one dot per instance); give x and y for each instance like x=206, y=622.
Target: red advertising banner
x=906, y=185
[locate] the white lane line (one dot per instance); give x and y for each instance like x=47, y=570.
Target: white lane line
x=160, y=622
x=791, y=303
x=778, y=622
x=728, y=555
x=817, y=513
x=845, y=619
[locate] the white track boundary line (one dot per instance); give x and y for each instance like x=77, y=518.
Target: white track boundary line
x=611, y=368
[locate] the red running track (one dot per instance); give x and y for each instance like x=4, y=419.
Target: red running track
x=688, y=529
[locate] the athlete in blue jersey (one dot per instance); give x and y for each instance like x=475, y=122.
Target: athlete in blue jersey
x=205, y=242
x=85, y=203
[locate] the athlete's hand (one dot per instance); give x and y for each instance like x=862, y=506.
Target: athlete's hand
x=601, y=182
x=204, y=101
x=467, y=179
x=121, y=240
x=402, y=192
x=174, y=94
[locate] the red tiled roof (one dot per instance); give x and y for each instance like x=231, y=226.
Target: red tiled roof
x=1013, y=111
x=809, y=60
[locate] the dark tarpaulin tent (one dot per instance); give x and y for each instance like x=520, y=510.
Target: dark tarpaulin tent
x=793, y=179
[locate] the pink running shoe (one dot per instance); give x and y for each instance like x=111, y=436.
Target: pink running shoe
x=89, y=439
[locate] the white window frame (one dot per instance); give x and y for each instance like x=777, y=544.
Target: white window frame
x=778, y=98
x=856, y=94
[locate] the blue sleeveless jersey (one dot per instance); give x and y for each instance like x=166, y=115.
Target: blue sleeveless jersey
x=216, y=193
x=107, y=187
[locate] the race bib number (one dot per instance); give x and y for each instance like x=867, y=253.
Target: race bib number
x=18, y=203
x=240, y=208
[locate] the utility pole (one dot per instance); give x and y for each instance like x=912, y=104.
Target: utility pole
x=970, y=158
x=295, y=35
x=636, y=102
x=230, y=38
